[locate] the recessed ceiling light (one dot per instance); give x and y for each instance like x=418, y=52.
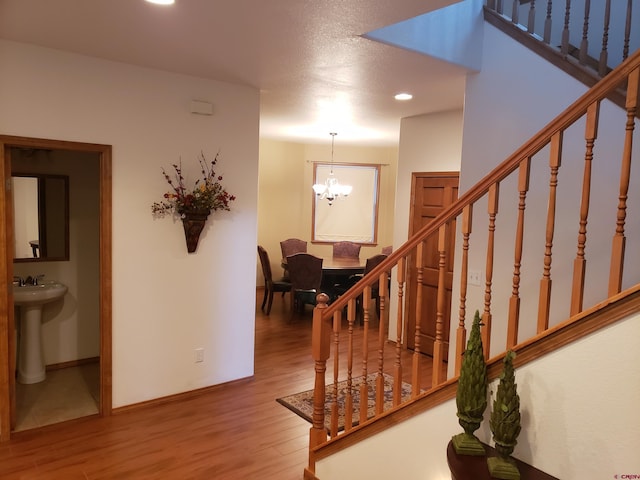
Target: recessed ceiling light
x=403, y=96
x=162, y=2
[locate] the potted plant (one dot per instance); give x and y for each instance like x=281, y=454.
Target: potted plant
x=505, y=423
x=471, y=396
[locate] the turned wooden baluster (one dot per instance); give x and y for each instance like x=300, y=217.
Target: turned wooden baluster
x=604, y=54
x=415, y=371
x=438, y=355
x=320, y=350
x=461, y=333
x=544, y=302
x=580, y=263
x=514, y=11
x=348, y=405
x=383, y=282
x=619, y=239
x=584, y=44
x=397, y=377
x=333, y=424
x=531, y=20
x=364, y=386
x=486, y=316
x=546, y=37
x=627, y=32
x=514, y=301
x=564, y=47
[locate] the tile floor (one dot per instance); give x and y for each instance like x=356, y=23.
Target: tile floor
x=65, y=394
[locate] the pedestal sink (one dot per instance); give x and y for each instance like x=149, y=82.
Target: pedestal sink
x=31, y=299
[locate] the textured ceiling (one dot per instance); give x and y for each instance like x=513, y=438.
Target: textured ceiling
x=315, y=71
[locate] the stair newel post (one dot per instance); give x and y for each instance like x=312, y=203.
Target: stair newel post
x=320, y=350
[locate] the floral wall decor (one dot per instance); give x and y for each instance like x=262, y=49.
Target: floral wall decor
x=193, y=205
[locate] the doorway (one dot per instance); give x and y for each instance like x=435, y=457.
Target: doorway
x=8, y=349
x=431, y=193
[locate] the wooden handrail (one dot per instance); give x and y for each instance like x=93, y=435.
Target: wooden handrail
x=499, y=173
x=328, y=318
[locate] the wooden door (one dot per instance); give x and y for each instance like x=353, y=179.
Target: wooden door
x=430, y=194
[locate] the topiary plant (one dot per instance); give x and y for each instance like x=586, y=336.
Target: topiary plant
x=505, y=423
x=471, y=396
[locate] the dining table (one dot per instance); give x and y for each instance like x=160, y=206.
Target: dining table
x=339, y=266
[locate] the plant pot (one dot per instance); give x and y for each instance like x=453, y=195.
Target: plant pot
x=193, y=223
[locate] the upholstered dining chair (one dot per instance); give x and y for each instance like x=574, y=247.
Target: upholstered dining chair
x=387, y=250
x=292, y=245
x=271, y=286
x=305, y=274
x=346, y=249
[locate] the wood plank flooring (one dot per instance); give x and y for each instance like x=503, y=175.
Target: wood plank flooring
x=232, y=431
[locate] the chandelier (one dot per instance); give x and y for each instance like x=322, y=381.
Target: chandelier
x=331, y=188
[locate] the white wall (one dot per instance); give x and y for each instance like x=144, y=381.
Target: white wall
x=578, y=415
x=505, y=105
x=166, y=303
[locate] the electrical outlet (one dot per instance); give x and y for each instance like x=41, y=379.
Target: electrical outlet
x=199, y=355
x=474, y=277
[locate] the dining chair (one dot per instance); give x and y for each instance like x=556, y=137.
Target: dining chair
x=270, y=286
x=346, y=249
x=305, y=273
x=292, y=245
x=387, y=250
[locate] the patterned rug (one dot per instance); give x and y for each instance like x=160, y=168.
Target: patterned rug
x=302, y=403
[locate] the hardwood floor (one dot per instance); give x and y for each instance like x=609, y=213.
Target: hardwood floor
x=232, y=431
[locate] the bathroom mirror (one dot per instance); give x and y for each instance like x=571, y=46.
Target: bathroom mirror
x=41, y=217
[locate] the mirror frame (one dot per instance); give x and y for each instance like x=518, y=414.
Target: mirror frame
x=42, y=207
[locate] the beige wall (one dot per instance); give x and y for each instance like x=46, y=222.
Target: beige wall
x=285, y=177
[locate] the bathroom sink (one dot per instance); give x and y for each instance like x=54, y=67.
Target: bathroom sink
x=31, y=299
x=38, y=294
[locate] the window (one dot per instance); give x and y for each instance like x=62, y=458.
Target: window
x=353, y=218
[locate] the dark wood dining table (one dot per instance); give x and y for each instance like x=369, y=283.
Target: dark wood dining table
x=339, y=266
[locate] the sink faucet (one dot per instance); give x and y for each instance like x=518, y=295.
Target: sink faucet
x=18, y=281
x=32, y=280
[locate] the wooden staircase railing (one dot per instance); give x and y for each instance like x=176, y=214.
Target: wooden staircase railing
x=578, y=30
x=378, y=351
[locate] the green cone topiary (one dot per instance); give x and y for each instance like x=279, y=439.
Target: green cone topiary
x=471, y=396
x=505, y=423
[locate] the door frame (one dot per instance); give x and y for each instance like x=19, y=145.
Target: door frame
x=7, y=321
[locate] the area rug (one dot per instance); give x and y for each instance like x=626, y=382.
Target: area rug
x=302, y=403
